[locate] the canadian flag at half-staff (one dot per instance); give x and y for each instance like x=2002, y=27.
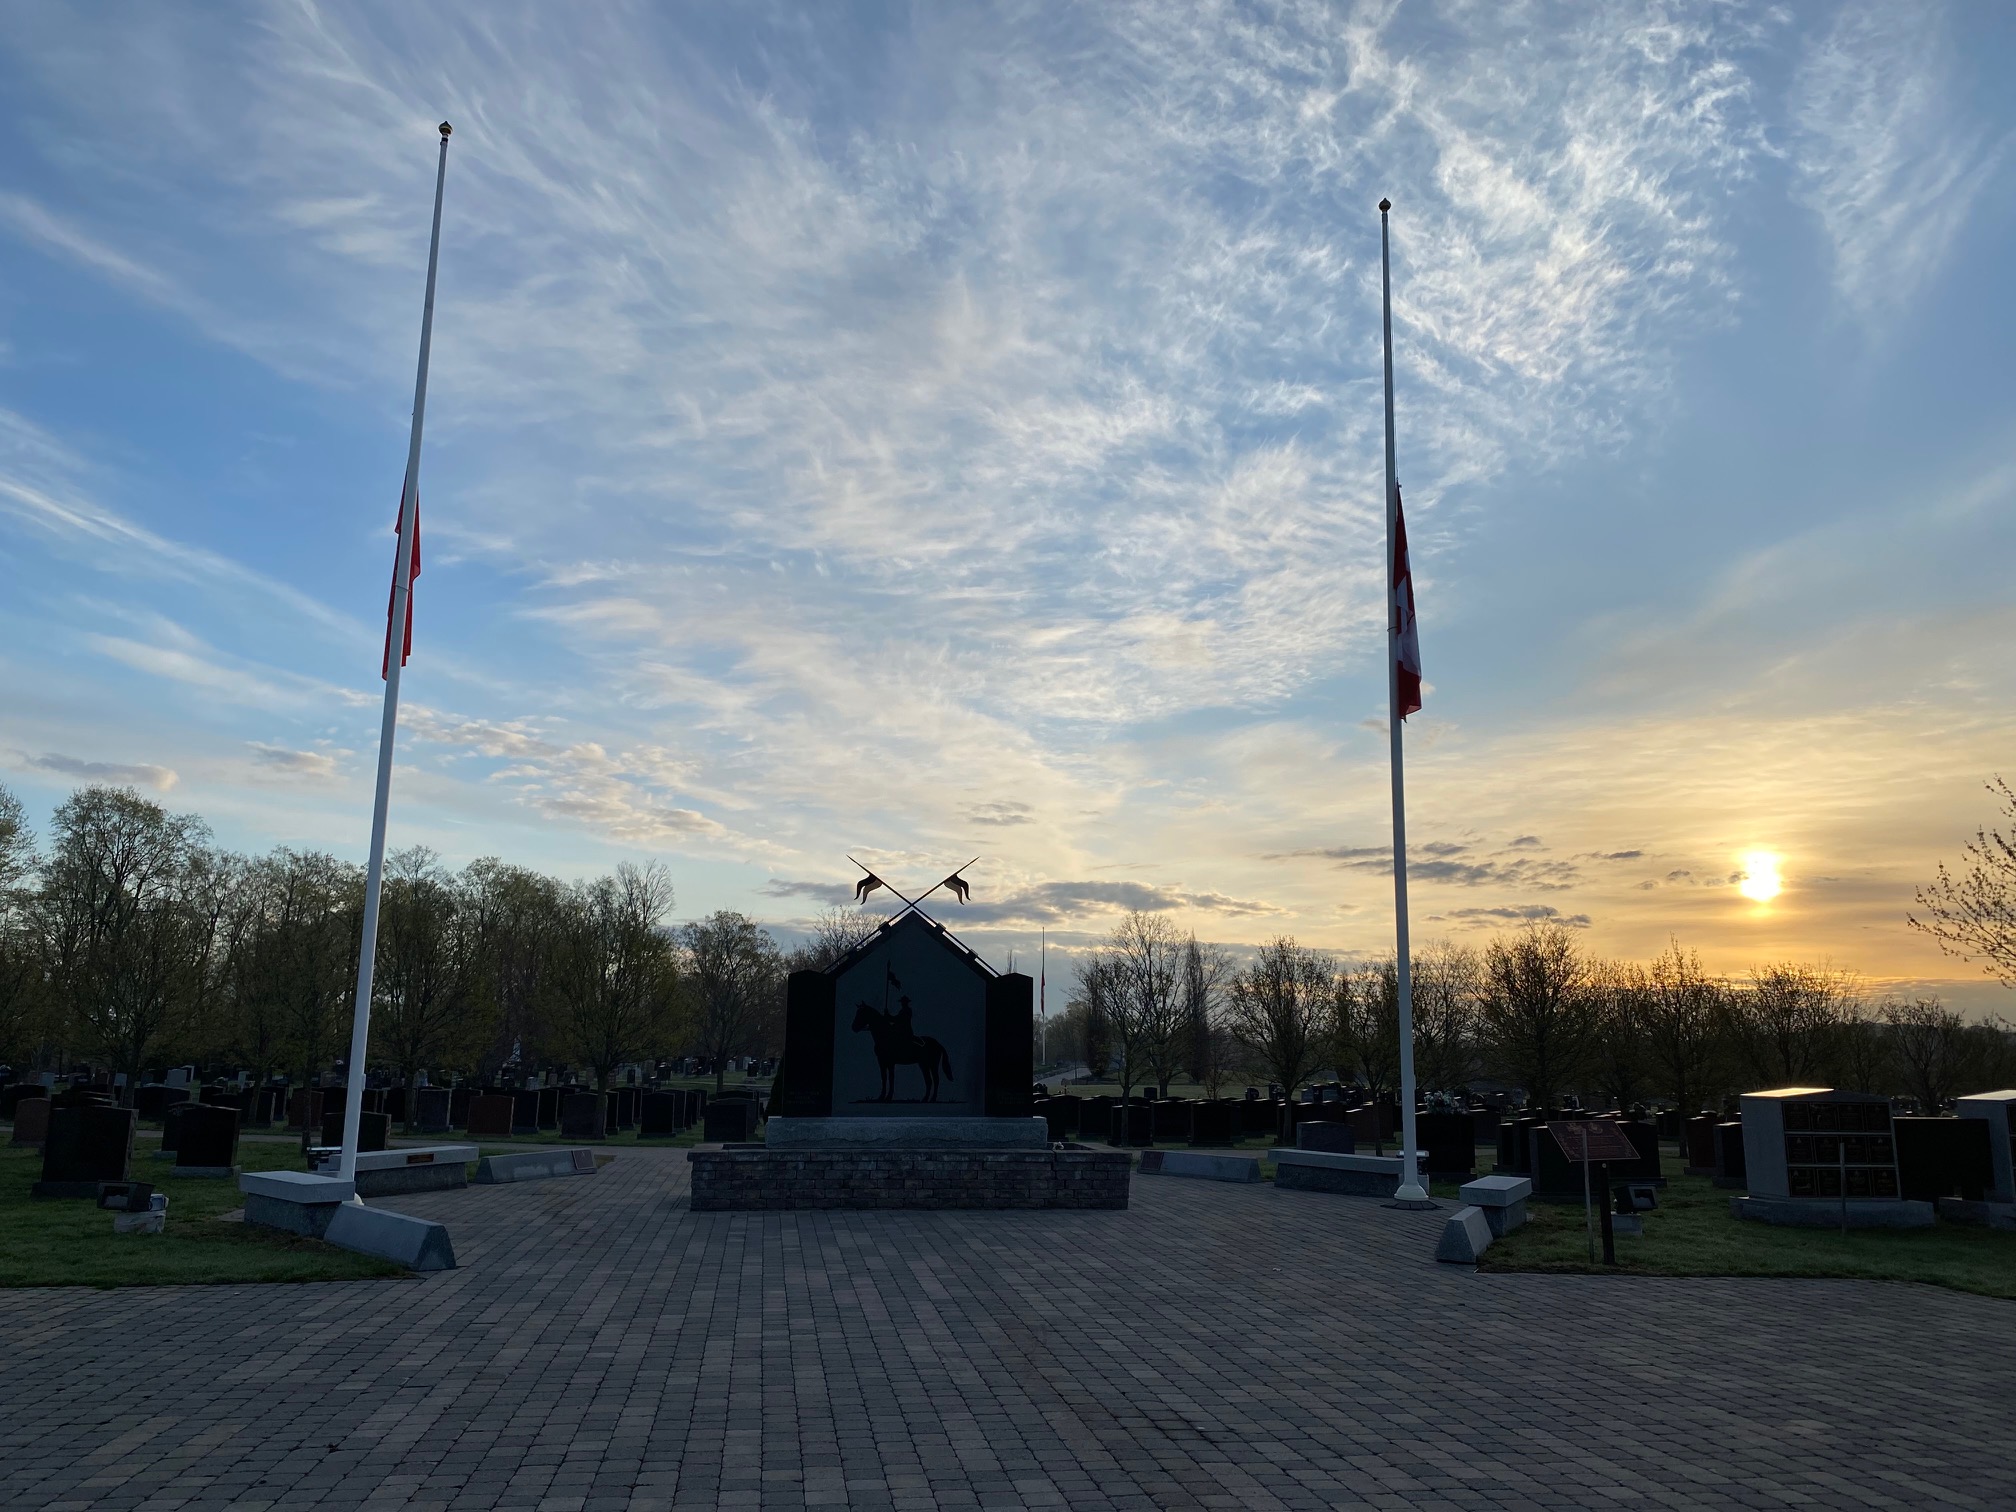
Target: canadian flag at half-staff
x=413, y=571
x=1407, y=643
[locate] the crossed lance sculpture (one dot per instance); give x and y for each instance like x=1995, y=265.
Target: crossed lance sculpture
x=897, y=1042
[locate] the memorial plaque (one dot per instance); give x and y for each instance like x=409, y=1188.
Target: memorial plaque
x=1593, y=1140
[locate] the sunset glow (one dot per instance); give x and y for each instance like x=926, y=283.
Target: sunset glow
x=1761, y=881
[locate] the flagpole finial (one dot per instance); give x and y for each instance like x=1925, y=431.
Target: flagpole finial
x=446, y=130
x=1385, y=205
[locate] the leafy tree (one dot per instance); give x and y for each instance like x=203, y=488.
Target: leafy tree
x=1536, y=1013
x=427, y=1004
x=1279, y=1010
x=1973, y=916
x=21, y=988
x=735, y=970
x=126, y=919
x=615, y=976
x=515, y=914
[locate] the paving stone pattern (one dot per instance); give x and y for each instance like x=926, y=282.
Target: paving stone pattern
x=731, y=1179
x=1211, y=1346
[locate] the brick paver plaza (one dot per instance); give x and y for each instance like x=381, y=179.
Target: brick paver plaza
x=1214, y=1346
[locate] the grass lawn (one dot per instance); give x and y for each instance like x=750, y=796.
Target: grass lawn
x=69, y=1241
x=1694, y=1234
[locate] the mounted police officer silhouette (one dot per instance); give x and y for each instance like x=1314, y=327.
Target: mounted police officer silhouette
x=897, y=1042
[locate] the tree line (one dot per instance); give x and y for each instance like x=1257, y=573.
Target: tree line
x=1530, y=1012
x=130, y=941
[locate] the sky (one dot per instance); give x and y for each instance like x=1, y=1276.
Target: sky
x=921, y=433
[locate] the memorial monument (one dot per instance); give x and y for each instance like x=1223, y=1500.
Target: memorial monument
x=907, y=1082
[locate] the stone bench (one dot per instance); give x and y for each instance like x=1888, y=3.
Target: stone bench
x=1204, y=1167
x=1324, y=1171
x=534, y=1165
x=1502, y=1200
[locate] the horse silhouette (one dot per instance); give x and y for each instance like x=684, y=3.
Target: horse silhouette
x=895, y=1046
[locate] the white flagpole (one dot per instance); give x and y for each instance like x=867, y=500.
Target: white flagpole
x=1411, y=1191
x=395, y=646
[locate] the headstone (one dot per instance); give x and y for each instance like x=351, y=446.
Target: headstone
x=31, y=1120
x=150, y=1100
x=1729, y=1161
x=304, y=1108
x=490, y=1117
x=1943, y=1157
x=1257, y=1117
x=1134, y=1124
x=171, y=1125
x=1448, y=1144
x=85, y=1146
x=1095, y=1117
x=1333, y=1135
x=394, y=1105
x=459, y=1099
x=374, y=1130
x=19, y=1092
x=1171, y=1119
x=525, y=1111
x=216, y=1097
x=207, y=1141
x=1698, y=1144
x=374, y=1099
x=1062, y=1115
x=626, y=1107
x=1211, y=1123
x=432, y=1109
x=730, y=1120
x=549, y=1107
x=584, y=1115
x=658, y=1115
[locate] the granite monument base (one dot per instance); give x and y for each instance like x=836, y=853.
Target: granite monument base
x=754, y=1177
x=1825, y=1212
x=1326, y=1171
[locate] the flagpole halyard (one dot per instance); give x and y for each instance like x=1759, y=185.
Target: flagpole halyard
x=395, y=623
x=1411, y=1192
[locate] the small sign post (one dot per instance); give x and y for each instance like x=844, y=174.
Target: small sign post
x=1595, y=1142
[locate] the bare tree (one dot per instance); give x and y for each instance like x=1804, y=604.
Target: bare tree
x=1865, y=1058
x=1620, y=1059
x=1206, y=970
x=1536, y=1013
x=1973, y=916
x=1928, y=1040
x=1786, y=1022
x=1683, y=1012
x=1365, y=1022
x=1445, y=987
x=1147, y=1008
x=733, y=968
x=834, y=934
x=1279, y=1010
